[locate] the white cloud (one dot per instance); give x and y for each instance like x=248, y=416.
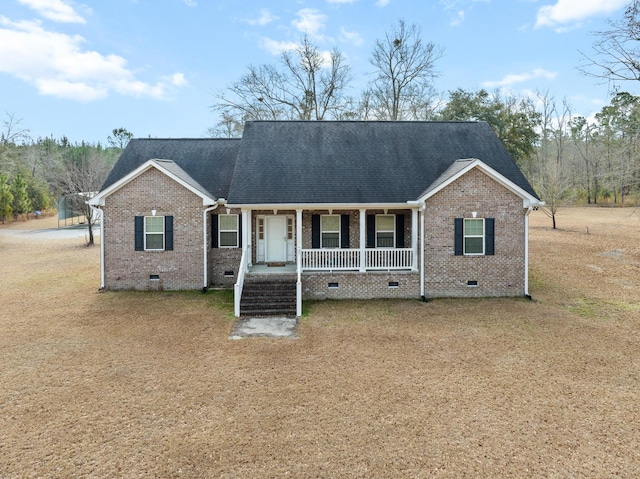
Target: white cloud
x=341, y=1
x=353, y=38
x=458, y=19
x=265, y=18
x=275, y=47
x=56, y=64
x=55, y=10
x=190, y=3
x=382, y=3
x=514, y=78
x=571, y=11
x=310, y=21
x=178, y=79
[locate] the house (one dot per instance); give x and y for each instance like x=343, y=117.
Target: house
x=337, y=209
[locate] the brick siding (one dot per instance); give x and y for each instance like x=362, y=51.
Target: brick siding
x=498, y=275
x=446, y=275
x=126, y=268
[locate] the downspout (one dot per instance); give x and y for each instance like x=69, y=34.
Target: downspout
x=422, y=238
x=526, y=252
x=205, y=249
x=99, y=211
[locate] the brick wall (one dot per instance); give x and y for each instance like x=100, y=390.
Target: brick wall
x=126, y=268
x=498, y=275
x=223, y=263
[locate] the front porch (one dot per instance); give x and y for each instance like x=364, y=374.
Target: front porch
x=299, y=242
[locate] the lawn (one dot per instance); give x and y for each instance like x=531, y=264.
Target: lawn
x=103, y=384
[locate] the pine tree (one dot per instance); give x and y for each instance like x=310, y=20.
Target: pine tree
x=21, y=203
x=6, y=198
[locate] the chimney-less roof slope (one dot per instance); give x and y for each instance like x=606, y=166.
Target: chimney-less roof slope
x=289, y=162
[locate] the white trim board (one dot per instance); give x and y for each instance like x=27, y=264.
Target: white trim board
x=192, y=185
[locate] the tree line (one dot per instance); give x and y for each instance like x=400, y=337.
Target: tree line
x=34, y=173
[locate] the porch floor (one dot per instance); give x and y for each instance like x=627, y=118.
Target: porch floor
x=287, y=268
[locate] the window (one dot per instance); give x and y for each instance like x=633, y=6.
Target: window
x=385, y=231
x=330, y=231
x=154, y=233
x=228, y=231
x=474, y=236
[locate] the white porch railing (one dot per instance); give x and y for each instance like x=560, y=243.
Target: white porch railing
x=330, y=259
x=237, y=288
x=392, y=258
x=349, y=259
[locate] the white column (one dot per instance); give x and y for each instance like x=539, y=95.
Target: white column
x=363, y=240
x=246, y=233
x=299, y=262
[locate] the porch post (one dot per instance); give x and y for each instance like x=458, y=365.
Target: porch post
x=246, y=233
x=414, y=240
x=363, y=240
x=299, y=262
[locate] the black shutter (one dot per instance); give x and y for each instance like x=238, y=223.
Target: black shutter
x=344, y=231
x=489, y=236
x=399, y=231
x=168, y=233
x=371, y=231
x=459, y=236
x=139, y=233
x=239, y=230
x=315, y=231
x=214, y=231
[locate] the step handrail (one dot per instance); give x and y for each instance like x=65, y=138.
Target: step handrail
x=237, y=288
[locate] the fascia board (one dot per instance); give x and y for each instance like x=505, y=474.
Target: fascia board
x=528, y=199
x=323, y=206
x=99, y=199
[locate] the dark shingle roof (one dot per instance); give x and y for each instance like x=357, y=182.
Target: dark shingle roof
x=210, y=162
x=292, y=162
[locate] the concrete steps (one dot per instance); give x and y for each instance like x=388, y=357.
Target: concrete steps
x=268, y=295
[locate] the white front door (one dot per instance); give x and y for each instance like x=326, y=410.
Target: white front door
x=276, y=238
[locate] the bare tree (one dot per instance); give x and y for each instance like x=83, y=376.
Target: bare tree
x=307, y=85
x=12, y=131
x=616, y=52
x=81, y=179
x=404, y=71
x=551, y=179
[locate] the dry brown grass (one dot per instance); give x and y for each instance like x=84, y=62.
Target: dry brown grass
x=147, y=384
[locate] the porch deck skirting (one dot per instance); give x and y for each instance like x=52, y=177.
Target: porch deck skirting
x=356, y=285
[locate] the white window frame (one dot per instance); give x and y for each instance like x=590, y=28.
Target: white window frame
x=465, y=236
x=155, y=233
x=236, y=231
x=386, y=231
x=322, y=231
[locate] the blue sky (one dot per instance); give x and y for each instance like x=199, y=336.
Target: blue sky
x=152, y=66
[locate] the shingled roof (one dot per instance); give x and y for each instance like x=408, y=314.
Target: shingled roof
x=295, y=162
x=291, y=162
x=210, y=162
